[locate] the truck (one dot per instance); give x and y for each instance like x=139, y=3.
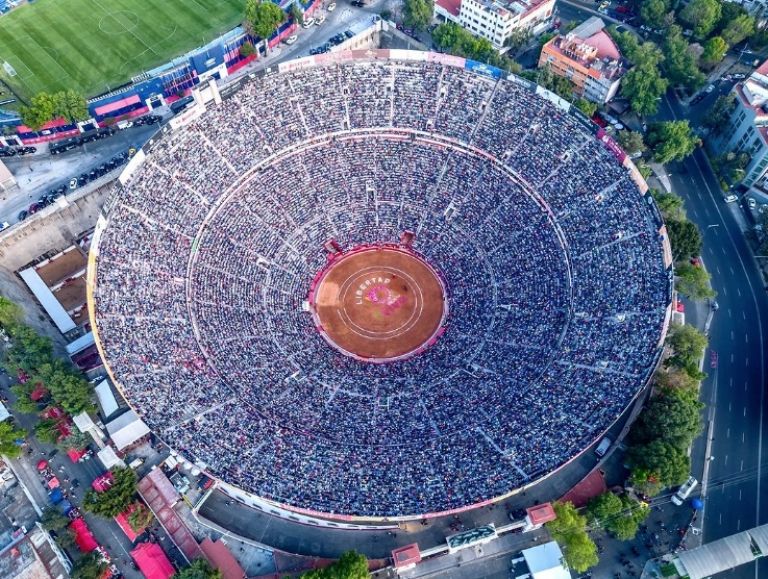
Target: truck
x=684, y=491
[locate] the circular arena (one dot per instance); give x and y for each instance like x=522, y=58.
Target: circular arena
x=381, y=287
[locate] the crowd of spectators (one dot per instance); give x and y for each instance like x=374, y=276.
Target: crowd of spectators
x=552, y=260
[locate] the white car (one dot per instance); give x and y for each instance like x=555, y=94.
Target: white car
x=709, y=89
x=308, y=23
x=291, y=39
x=319, y=20
x=731, y=198
x=331, y=7
x=739, y=76
x=4, y=225
x=751, y=203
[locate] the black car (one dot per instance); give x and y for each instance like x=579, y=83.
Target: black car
x=22, y=215
x=358, y=3
x=5, y=152
x=348, y=33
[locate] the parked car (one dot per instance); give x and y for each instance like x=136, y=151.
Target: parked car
x=320, y=19
x=291, y=39
x=308, y=23
x=4, y=225
x=22, y=215
x=731, y=198
x=331, y=7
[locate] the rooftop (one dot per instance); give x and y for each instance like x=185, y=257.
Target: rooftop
x=590, y=46
x=511, y=7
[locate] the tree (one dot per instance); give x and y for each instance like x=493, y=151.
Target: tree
x=643, y=86
x=9, y=436
x=679, y=61
x=670, y=418
x=672, y=141
x=670, y=463
x=738, y=29
x=247, y=49
x=89, y=566
x=654, y=12
x=70, y=105
x=417, y=13
x=116, y=498
x=719, y=113
x=569, y=529
x=47, y=430
x=263, y=17
x=139, y=516
x=631, y=142
x=587, y=107
x=53, y=520
x=714, y=52
x=620, y=516
x=702, y=16
x=66, y=538
x=688, y=345
x=452, y=38
x=28, y=350
x=675, y=382
x=198, y=569
x=693, y=282
x=41, y=109
x=645, y=482
x=670, y=204
x=297, y=14
x=75, y=440
x=351, y=565
x=10, y=314
x=69, y=390
x=685, y=239
x=556, y=83
x=23, y=402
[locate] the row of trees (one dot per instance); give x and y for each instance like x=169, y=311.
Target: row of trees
x=351, y=565
x=33, y=355
x=715, y=27
x=45, y=107
x=454, y=39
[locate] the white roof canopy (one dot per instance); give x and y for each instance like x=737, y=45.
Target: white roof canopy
x=126, y=429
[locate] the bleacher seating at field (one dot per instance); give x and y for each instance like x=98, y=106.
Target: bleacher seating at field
x=554, y=323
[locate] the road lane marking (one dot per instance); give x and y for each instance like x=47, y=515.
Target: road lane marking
x=729, y=313
x=732, y=272
x=723, y=250
x=739, y=494
x=738, y=525
x=725, y=292
x=742, y=436
x=746, y=362
x=726, y=460
x=745, y=411
x=720, y=518
x=746, y=338
x=718, y=270
x=732, y=335
x=728, y=433
x=732, y=358
x=742, y=466
x=738, y=291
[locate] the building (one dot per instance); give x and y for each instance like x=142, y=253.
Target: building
x=746, y=131
x=7, y=181
x=546, y=562
x=589, y=58
x=497, y=20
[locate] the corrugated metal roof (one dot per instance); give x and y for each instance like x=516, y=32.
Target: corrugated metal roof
x=760, y=536
x=718, y=556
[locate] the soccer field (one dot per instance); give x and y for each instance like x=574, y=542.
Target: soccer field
x=93, y=46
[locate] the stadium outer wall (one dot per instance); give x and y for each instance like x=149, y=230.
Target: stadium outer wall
x=319, y=517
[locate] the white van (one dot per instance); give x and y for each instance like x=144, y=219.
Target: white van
x=684, y=491
x=603, y=447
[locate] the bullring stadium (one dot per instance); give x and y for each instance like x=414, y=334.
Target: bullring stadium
x=381, y=284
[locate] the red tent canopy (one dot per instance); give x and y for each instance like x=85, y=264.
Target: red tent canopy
x=122, y=522
x=42, y=465
x=102, y=483
x=75, y=455
x=83, y=537
x=54, y=483
x=39, y=392
x=152, y=561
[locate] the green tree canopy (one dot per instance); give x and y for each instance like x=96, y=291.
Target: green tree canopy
x=47, y=430
x=671, y=418
x=417, y=13
x=643, y=86
x=69, y=390
x=675, y=382
x=9, y=434
x=263, y=17
x=454, y=39
x=23, y=402
x=672, y=141
x=28, y=350
x=41, y=109
x=116, y=498
x=680, y=63
x=693, y=281
x=10, y=314
x=738, y=29
x=685, y=239
x=620, y=516
x=670, y=204
x=669, y=462
x=587, y=107
x=654, y=12
x=688, y=345
x=70, y=105
x=89, y=566
x=702, y=16
x=569, y=530
x=140, y=516
x=53, y=520
x=351, y=565
x=631, y=142
x=714, y=52
x=645, y=482
x=198, y=569
x=720, y=111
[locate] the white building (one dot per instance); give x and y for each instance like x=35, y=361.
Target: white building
x=497, y=20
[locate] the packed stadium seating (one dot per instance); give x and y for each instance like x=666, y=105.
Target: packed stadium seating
x=552, y=260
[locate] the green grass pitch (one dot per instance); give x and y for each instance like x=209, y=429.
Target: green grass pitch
x=93, y=46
